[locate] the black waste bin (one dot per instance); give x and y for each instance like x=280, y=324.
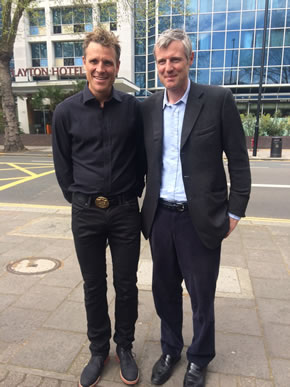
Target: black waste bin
x=276, y=147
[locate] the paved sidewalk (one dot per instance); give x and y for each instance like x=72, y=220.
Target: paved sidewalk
x=42, y=318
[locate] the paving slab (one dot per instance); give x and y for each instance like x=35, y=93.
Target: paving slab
x=240, y=355
x=49, y=350
x=46, y=312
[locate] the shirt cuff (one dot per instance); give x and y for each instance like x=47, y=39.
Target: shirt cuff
x=234, y=216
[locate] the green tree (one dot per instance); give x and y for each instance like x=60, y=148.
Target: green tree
x=271, y=126
x=12, y=11
x=48, y=97
x=248, y=121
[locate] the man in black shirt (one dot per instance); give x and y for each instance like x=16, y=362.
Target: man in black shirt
x=99, y=164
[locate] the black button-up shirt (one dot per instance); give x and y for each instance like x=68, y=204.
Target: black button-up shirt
x=98, y=150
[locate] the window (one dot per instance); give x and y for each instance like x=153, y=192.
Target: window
x=219, y=5
x=218, y=40
x=276, y=39
x=217, y=59
x=230, y=77
x=260, y=19
x=273, y=75
x=205, y=22
x=231, y=58
x=248, y=21
x=203, y=59
x=37, y=22
x=72, y=20
x=245, y=76
x=204, y=41
x=191, y=23
x=247, y=39
x=234, y=21
x=68, y=54
x=286, y=74
x=39, y=54
x=191, y=6
x=140, y=80
x=178, y=7
x=234, y=5
x=140, y=64
x=249, y=4
x=246, y=57
x=279, y=4
x=140, y=46
x=219, y=21
x=216, y=77
x=164, y=23
x=206, y=6
x=275, y=56
x=286, y=59
x=233, y=39
x=178, y=22
x=278, y=19
x=203, y=76
x=108, y=15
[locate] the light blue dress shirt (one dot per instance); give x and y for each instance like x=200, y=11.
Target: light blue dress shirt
x=172, y=187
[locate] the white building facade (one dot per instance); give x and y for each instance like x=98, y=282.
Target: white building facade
x=48, y=50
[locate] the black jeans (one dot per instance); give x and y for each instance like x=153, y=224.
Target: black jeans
x=120, y=226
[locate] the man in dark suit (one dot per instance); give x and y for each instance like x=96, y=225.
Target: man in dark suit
x=187, y=210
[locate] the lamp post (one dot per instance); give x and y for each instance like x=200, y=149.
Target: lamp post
x=256, y=135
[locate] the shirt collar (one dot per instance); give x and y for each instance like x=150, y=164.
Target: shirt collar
x=182, y=99
x=88, y=96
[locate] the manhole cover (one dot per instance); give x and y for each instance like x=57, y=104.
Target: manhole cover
x=32, y=265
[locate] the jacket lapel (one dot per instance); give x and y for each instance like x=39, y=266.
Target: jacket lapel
x=192, y=110
x=157, y=114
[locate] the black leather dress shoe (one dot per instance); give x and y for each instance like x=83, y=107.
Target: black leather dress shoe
x=163, y=369
x=194, y=376
x=92, y=372
x=129, y=371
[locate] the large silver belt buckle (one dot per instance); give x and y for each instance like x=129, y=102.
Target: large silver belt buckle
x=102, y=202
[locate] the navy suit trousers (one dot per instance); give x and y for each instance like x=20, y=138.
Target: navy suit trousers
x=178, y=254
x=92, y=227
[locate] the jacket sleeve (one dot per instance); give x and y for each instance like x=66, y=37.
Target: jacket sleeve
x=234, y=145
x=61, y=145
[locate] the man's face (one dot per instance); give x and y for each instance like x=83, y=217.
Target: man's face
x=101, y=68
x=173, y=66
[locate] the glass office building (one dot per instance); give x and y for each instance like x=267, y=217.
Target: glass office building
x=227, y=37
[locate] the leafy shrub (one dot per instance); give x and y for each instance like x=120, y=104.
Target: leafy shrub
x=268, y=126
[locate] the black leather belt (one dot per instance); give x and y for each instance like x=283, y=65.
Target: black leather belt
x=101, y=201
x=174, y=206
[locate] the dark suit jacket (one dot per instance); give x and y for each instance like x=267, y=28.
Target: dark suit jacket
x=211, y=126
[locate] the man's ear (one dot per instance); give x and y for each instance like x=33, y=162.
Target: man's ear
x=191, y=58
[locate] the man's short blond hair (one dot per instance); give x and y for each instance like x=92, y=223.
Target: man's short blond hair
x=103, y=37
x=172, y=35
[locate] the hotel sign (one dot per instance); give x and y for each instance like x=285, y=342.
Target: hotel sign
x=46, y=72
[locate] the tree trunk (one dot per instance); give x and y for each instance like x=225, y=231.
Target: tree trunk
x=12, y=140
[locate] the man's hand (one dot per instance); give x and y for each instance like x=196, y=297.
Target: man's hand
x=233, y=224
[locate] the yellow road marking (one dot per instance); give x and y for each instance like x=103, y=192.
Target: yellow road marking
x=23, y=205
x=273, y=220
x=36, y=163
x=7, y=169
x=22, y=169
x=12, y=178
x=25, y=179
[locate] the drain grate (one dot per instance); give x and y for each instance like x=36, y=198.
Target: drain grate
x=33, y=265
